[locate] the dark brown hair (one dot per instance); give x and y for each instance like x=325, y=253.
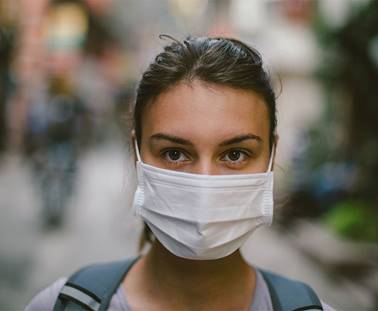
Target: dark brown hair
x=222, y=61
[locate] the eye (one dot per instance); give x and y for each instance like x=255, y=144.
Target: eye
x=235, y=156
x=174, y=156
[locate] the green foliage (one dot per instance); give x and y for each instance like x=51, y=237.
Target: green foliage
x=337, y=162
x=353, y=219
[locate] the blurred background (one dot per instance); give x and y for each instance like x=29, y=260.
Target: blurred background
x=68, y=70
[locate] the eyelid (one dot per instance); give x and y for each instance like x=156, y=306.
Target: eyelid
x=164, y=150
x=241, y=150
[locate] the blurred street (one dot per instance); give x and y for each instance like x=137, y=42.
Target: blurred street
x=68, y=73
x=100, y=227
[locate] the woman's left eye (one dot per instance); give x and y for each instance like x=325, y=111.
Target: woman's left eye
x=235, y=156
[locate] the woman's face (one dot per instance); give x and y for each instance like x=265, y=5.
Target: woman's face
x=206, y=129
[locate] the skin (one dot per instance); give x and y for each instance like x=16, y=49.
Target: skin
x=203, y=129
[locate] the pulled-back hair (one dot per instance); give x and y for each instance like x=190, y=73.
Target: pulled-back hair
x=221, y=61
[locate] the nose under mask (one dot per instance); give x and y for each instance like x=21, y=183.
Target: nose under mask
x=202, y=217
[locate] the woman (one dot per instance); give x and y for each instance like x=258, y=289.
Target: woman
x=204, y=136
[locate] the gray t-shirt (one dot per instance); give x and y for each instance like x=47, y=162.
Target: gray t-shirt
x=45, y=299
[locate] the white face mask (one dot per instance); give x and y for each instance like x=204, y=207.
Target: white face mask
x=202, y=216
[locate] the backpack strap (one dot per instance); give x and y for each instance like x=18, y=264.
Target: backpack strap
x=290, y=295
x=92, y=287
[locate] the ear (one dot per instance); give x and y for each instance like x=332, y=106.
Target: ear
x=133, y=136
x=275, y=144
x=133, y=144
x=276, y=139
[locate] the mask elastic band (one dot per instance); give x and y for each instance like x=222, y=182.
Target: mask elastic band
x=137, y=150
x=271, y=158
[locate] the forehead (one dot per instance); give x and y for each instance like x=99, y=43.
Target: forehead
x=197, y=110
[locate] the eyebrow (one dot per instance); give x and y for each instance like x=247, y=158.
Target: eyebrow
x=240, y=138
x=182, y=141
x=171, y=138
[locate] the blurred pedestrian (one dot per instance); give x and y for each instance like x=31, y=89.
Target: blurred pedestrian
x=56, y=120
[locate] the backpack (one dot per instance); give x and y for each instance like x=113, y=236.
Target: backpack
x=92, y=288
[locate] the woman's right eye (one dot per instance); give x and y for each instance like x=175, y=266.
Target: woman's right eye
x=174, y=156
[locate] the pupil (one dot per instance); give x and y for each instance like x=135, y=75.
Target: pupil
x=174, y=155
x=234, y=155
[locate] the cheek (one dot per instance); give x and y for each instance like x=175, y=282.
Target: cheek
x=146, y=154
x=151, y=157
x=261, y=165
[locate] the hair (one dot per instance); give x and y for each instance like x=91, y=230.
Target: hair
x=221, y=61
x=218, y=60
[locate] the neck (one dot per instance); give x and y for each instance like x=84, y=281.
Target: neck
x=197, y=280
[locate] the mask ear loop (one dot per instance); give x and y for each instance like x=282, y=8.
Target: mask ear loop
x=137, y=150
x=270, y=166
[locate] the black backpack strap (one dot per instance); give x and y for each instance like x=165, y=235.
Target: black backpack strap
x=290, y=295
x=92, y=287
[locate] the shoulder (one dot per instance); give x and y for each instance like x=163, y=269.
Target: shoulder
x=327, y=307
x=45, y=299
x=290, y=293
